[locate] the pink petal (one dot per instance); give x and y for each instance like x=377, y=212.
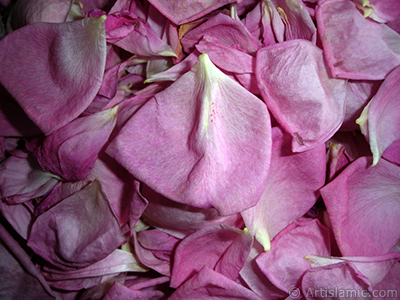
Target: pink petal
x=297, y=20
x=298, y=90
x=292, y=188
x=358, y=95
x=179, y=219
x=380, y=10
x=13, y=120
x=355, y=47
x=87, y=135
x=120, y=188
x=208, y=284
x=392, y=153
x=259, y=22
x=375, y=268
x=19, y=216
x=66, y=65
x=78, y=231
x=363, y=204
x=118, y=261
x=122, y=292
x=134, y=35
x=284, y=264
x=184, y=141
x=183, y=12
x=380, y=120
x=227, y=30
x=239, y=61
x=218, y=247
x=22, y=179
x=255, y=278
x=150, y=258
x=23, y=280
x=338, y=281
x=26, y=12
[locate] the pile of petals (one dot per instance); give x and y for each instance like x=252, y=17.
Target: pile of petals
x=201, y=149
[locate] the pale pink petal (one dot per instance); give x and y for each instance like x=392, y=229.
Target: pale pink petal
x=380, y=119
x=180, y=12
x=184, y=141
x=255, y=278
x=297, y=88
x=284, y=264
x=21, y=279
x=292, y=188
x=374, y=268
x=355, y=47
x=22, y=179
x=297, y=20
x=363, y=206
x=339, y=281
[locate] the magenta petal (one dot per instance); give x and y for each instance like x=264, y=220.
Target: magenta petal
x=22, y=179
x=208, y=284
x=292, y=188
x=66, y=65
x=218, y=247
x=284, y=264
x=180, y=12
x=298, y=90
x=78, y=231
x=184, y=142
x=355, y=47
x=86, y=136
x=363, y=203
x=335, y=280
x=380, y=119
